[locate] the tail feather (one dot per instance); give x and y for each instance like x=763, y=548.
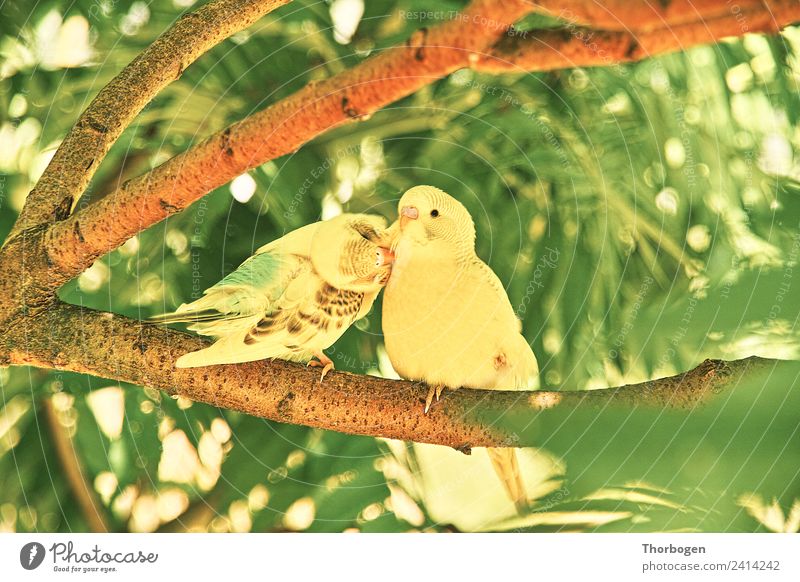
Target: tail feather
x=220, y=301
x=223, y=310
x=506, y=465
x=185, y=317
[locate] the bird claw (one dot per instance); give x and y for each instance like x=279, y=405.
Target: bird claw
x=433, y=391
x=323, y=362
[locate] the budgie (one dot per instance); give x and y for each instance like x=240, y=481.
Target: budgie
x=447, y=319
x=294, y=298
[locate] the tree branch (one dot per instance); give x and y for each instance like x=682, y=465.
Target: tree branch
x=71, y=465
x=67, y=337
x=279, y=129
x=581, y=47
x=645, y=15
x=119, y=102
x=45, y=333
x=430, y=54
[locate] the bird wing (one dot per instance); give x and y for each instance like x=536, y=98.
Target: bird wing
x=318, y=318
x=308, y=316
x=249, y=315
x=275, y=305
x=517, y=367
x=249, y=291
x=497, y=294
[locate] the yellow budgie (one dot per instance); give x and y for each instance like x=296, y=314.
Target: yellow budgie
x=295, y=297
x=447, y=319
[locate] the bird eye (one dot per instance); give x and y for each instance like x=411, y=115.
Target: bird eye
x=434, y=213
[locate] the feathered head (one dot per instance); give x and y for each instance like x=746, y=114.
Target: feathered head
x=347, y=252
x=428, y=214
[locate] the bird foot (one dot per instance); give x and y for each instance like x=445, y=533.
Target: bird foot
x=323, y=362
x=433, y=391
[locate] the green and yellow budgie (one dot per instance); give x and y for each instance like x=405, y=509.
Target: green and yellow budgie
x=294, y=298
x=447, y=319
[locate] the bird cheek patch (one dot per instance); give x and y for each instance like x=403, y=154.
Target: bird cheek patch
x=383, y=277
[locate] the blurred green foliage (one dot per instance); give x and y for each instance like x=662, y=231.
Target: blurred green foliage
x=643, y=217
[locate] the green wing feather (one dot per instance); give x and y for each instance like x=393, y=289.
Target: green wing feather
x=247, y=291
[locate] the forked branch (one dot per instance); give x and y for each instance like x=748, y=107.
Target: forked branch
x=40, y=331
x=119, y=102
x=277, y=130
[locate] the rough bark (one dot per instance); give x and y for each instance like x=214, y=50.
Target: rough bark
x=119, y=102
x=111, y=346
x=40, y=331
x=644, y=15
x=29, y=276
x=385, y=78
x=584, y=47
x=277, y=130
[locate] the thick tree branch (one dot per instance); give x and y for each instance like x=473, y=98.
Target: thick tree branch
x=282, y=128
x=70, y=338
x=583, y=47
x=40, y=331
x=644, y=15
x=119, y=102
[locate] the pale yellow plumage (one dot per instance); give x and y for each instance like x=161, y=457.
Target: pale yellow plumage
x=447, y=319
x=295, y=297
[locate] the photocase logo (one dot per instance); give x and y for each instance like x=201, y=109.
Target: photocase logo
x=31, y=555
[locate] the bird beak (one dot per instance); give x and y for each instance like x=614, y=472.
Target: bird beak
x=385, y=257
x=408, y=213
